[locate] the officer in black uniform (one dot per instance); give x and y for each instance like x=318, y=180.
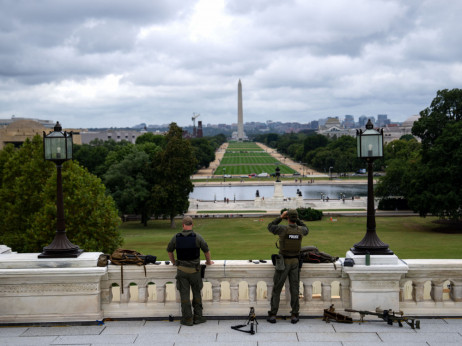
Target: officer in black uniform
x=290, y=242
x=188, y=245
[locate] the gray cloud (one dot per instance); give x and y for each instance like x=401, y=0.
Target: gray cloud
x=119, y=63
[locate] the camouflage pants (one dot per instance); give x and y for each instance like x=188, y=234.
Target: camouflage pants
x=185, y=283
x=279, y=279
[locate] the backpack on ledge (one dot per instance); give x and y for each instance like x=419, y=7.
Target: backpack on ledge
x=124, y=256
x=311, y=254
x=129, y=257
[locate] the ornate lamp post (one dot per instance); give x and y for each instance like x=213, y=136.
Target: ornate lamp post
x=370, y=147
x=224, y=171
x=57, y=147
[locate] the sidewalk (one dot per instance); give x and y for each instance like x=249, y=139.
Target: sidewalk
x=218, y=332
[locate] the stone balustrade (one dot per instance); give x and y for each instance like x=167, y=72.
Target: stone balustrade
x=56, y=290
x=432, y=287
x=230, y=289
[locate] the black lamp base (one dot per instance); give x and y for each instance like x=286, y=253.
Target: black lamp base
x=61, y=254
x=61, y=247
x=371, y=251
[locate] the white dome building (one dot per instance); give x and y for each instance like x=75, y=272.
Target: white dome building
x=395, y=131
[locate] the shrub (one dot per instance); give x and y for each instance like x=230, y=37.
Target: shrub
x=307, y=214
x=393, y=204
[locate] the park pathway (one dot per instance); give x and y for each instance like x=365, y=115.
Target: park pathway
x=208, y=172
x=302, y=169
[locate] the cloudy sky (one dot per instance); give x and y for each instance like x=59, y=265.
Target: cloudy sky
x=102, y=63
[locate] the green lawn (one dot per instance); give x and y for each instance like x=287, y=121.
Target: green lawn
x=243, y=162
x=248, y=238
x=243, y=146
x=244, y=154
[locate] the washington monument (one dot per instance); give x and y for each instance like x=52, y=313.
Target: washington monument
x=240, y=136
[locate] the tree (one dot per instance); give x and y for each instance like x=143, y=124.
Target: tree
x=99, y=155
x=407, y=137
x=399, y=157
x=315, y=141
x=173, y=169
x=445, y=108
x=338, y=153
x=204, y=151
x=90, y=214
x=28, y=203
x=430, y=177
x=150, y=137
x=435, y=185
x=128, y=183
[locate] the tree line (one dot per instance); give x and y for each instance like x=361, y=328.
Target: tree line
x=104, y=181
x=427, y=174
x=152, y=176
x=317, y=151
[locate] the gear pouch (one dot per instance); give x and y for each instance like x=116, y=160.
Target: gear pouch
x=278, y=262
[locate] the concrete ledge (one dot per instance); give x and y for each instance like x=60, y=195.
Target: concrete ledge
x=31, y=260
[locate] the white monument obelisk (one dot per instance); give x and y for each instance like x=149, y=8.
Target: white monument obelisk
x=240, y=116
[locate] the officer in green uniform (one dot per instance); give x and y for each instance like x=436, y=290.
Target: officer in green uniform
x=188, y=277
x=290, y=241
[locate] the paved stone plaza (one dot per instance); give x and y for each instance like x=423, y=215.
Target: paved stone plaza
x=311, y=331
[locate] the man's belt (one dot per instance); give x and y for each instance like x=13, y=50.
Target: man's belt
x=291, y=256
x=188, y=270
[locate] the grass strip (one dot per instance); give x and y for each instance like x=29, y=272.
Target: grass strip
x=244, y=238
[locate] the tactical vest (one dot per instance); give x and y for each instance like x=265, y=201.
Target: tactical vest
x=290, y=242
x=186, y=248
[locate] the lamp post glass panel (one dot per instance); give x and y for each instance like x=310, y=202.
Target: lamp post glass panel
x=370, y=147
x=57, y=147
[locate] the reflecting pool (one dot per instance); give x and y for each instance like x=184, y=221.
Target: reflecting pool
x=241, y=193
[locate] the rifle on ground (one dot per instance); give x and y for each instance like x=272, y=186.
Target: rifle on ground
x=250, y=320
x=331, y=315
x=389, y=316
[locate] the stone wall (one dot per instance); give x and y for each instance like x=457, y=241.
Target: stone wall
x=57, y=290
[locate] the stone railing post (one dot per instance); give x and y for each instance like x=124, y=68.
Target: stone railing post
x=307, y=291
x=345, y=294
x=418, y=291
x=125, y=296
x=143, y=293
x=216, y=291
x=160, y=293
x=326, y=292
x=252, y=292
x=436, y=292
x=456, y=290
x=234, y=291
